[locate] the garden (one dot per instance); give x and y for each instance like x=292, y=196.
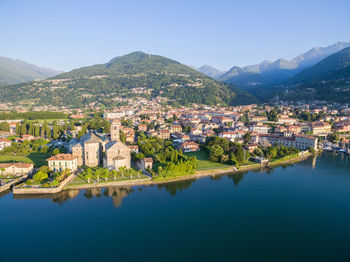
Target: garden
x=44, y=178
x=103, y=175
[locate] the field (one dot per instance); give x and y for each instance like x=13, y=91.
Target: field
x=203, y=163
x=37, y=158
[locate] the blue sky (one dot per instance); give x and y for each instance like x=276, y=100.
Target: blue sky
x=70, y=34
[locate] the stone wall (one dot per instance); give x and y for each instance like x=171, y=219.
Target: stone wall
x=29, y=191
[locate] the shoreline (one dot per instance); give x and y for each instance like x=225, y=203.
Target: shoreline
x=197, y=175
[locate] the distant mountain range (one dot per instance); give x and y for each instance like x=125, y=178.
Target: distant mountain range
x=319, y=74
x=134, y=75
x=270, y=73
x=15, y=71
x=328, y=80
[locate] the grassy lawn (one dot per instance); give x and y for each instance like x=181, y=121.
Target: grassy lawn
x=203, y=163
x=289, y=157
x=37, y=158
x=12, y=159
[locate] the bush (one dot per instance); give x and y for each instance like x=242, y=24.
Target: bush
x=311, y=150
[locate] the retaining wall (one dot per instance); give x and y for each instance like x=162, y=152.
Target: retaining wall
x=30, y=191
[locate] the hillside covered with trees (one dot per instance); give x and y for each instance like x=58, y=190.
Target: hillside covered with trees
x=134, y=75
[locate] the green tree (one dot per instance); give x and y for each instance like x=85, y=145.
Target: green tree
x=40, y=176
x=104, y=174
x=240, y=155
x=56, y=151
x=4, y=126
x=215, y=152
x=89, y=175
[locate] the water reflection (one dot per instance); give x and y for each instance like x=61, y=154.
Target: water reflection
x=237, y=177
x=175, y=187
x=116, y=193
x=339, y=161
x=4, y=192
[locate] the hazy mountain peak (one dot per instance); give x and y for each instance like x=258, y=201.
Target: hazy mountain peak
x=16, y=71
x=316, y=54
x=210, y=71
x=274, y=72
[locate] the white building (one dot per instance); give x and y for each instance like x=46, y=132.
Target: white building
x=61, y=162
x=302, y=142
x=4, y=143
x=260, y=129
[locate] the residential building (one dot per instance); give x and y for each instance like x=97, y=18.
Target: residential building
x=4, y=143
x=302, y=142
x=145, y=163
x=321, y=128
x=189, y=147
x=16, y=168
x=62, y=162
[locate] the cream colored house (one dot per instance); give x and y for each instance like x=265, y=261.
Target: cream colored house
x=16, y=168
x=61, y=162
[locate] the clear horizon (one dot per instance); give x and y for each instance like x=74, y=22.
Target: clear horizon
x=65, y=35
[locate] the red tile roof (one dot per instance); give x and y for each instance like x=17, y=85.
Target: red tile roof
x=18, y=165
x=62, y=157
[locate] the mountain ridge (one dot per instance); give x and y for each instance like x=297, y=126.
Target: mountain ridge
x=285, y=68
x=15, y=71
x=327, y=80
x=132, y=75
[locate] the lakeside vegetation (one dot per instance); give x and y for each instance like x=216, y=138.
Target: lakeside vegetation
x=203, y=163
x=168, y=162
x=28, y=152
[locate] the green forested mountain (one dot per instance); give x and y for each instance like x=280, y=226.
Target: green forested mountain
x=132, y=75
x=328, y=80
x=16, y=71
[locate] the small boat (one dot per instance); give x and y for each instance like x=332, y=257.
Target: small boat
x=327, y=148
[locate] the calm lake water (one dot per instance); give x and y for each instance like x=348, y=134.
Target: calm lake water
x=294, y=213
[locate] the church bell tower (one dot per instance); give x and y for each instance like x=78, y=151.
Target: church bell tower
x=115, y=126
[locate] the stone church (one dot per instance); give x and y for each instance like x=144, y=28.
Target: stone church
x=93, y=150
x=117, y=153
